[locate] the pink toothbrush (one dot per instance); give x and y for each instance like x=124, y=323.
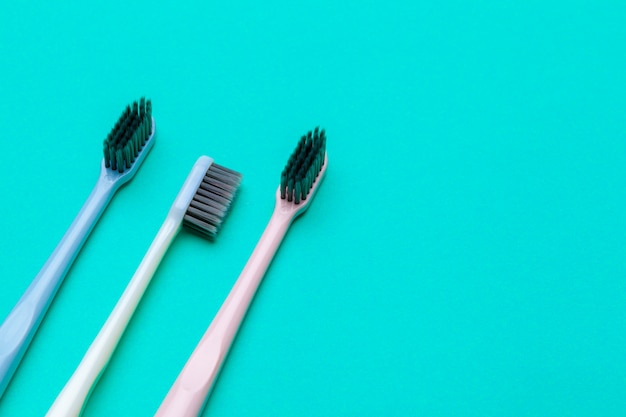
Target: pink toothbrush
x=299, y=182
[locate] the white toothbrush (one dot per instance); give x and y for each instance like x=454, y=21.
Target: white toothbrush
x=202, y=203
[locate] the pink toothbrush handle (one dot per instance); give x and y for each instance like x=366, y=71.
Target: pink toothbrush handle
x=188, y=395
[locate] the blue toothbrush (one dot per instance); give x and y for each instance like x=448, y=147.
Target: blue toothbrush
x=125, y=148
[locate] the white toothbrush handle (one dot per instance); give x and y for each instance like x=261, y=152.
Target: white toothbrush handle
x=188, y=395
x=75, y=393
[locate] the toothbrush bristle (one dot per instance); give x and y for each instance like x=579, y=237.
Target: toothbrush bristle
x=212, y=201
x=129, y=135
x=303, y=166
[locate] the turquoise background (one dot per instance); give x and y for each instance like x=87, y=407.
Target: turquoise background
x=465, y=255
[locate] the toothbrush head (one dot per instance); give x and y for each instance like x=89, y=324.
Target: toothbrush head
x=212, y=200
x=130, y=139
x=305, y=168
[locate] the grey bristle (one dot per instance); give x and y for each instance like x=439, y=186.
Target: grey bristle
x=212, y=201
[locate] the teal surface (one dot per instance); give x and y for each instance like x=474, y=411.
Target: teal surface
x=466, y=254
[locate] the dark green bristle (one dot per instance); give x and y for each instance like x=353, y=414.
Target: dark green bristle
x=128, y=136
x=303, y=166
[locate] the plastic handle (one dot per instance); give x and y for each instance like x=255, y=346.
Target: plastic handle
x=20, y=326
x=188, y=395
x=71, y=400
x=74, y=395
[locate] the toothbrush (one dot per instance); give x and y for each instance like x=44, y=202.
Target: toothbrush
x=125, y=148
x=298, y=184
x=202, y=204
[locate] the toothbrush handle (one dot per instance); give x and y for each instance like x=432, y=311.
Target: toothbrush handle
x=188, y=395
x=20, y=326
x=76, y=392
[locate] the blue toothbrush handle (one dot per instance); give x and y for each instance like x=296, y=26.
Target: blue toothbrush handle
x=20, y=326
